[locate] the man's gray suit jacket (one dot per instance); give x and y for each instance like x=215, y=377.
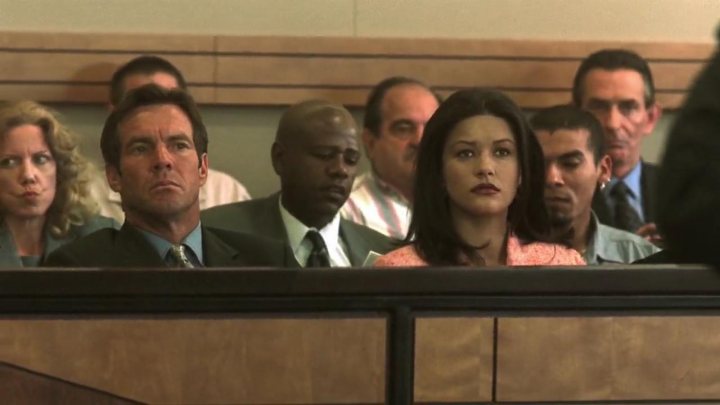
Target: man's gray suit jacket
x=262, y=217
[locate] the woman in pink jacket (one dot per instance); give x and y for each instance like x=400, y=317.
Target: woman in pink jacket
x=478, y=196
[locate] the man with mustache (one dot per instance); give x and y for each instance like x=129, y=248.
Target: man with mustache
x=395, y=116
x=155, y=149
x=576, y=163
x=316, y=154
x=616, y=86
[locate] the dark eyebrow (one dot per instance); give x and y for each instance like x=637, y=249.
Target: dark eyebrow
x=140, y=139
x=333, y=149
x=608, y=102
x=570, y=155
x=629, y=102
x=180, y=136
x=504, y=140
x=464, y=142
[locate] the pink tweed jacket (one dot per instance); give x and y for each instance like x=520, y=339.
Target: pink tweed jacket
x=518, y=254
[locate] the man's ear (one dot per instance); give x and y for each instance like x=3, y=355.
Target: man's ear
x=276, y=154
x=369, y=140
x=113, y=178
x=654, y=113
x=604, y=170
x=203, y=168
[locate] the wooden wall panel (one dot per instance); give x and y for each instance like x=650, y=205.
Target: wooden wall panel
x=213, y=360
x=101, y=42
x=284, y=70
x=453, y=359
x=608, y=358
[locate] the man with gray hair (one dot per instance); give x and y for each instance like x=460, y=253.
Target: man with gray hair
x=616, y=86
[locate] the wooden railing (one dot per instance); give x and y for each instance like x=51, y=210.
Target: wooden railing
x=361, y=336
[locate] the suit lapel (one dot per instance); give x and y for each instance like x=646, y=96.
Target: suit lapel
x=135, y=249
x=216, y=252
x=357, y=245
x=273, y=218
x=648, y=184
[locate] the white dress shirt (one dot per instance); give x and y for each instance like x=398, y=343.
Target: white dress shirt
x=302, y=247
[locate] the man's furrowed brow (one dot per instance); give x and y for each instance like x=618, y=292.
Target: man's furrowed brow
x=181, y=136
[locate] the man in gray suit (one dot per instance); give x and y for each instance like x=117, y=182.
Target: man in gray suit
x=316, y=154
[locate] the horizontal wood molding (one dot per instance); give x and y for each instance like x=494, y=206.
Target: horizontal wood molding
x=75, y=67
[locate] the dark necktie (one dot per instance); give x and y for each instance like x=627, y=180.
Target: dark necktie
x=178, y=258
x=626, y=217
x=319, y=256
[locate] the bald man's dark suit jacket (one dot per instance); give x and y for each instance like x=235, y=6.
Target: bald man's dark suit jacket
x=262, y=217
x=128, y=247
x=648, y=188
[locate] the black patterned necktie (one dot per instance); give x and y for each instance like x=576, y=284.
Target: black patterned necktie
x=626, y=217
x=178, y=258
x=319, y=256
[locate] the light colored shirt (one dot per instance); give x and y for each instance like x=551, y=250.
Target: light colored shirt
x=302, y=247
x=377, y=205
x=611, y=245
x=635, y=197
x=192, y=243
x=219, y=189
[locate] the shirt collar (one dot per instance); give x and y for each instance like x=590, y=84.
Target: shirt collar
x=296, y=230
x=595, y=245
x=193, y=243
x=599, y=250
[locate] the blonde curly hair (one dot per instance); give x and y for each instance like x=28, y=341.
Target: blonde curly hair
x=73, y=204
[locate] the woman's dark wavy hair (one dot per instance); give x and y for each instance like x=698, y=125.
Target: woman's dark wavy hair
x=431, y=227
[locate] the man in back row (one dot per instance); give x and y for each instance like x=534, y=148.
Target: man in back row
x=316, y=154
x=576, y=163
x=155, y=149
x=616, y=86
x=395, y=116
x=220, y=188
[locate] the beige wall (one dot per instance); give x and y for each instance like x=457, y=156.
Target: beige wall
x=253, y=128
x=652, y=20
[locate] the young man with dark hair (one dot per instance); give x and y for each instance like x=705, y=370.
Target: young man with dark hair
x=576, y=167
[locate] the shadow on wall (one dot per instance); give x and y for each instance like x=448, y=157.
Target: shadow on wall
x=90, y=83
